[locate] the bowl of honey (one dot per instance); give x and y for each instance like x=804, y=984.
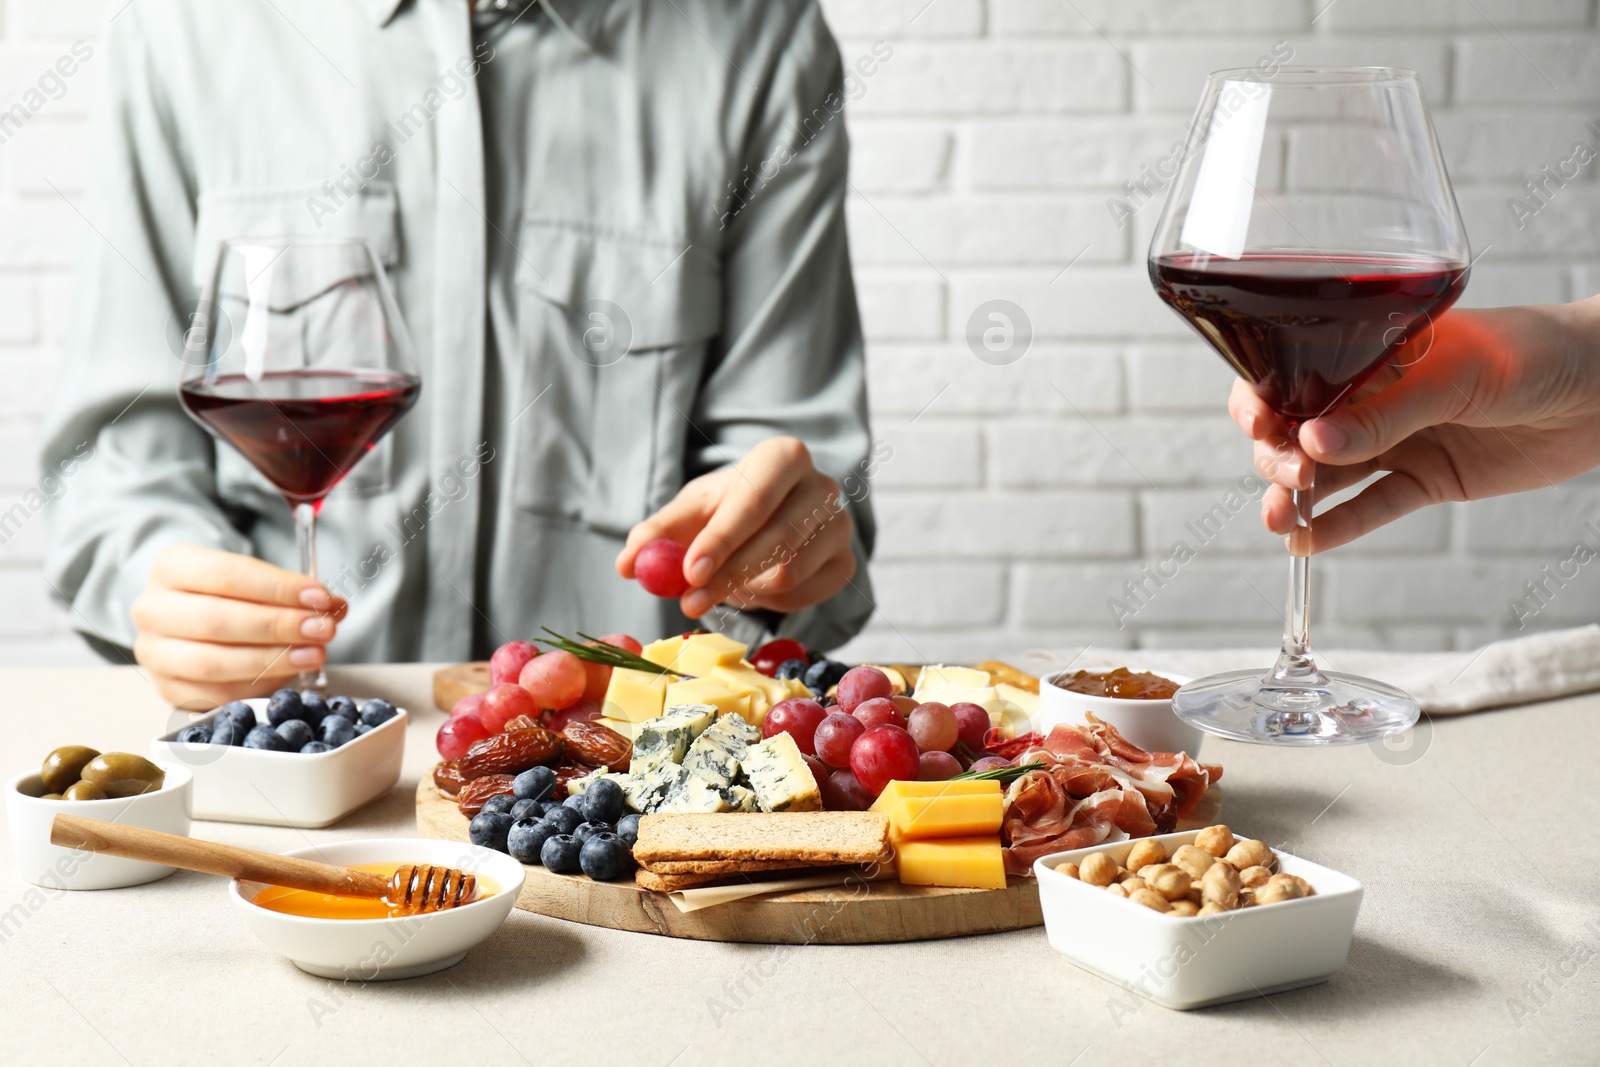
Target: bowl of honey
x=1137, y=703
x=363, y=939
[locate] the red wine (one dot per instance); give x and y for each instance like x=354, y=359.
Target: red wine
x=1306, y=330
x=303, y=429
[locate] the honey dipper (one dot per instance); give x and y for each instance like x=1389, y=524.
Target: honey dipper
x=411, y=890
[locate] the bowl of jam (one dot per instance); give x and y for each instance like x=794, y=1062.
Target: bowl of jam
x=1137, y=703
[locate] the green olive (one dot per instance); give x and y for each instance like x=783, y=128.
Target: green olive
x=64, y=766
x=84, y=791
x=122, y=774
x=52, y=796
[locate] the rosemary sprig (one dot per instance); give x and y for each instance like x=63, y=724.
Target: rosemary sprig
x=999, y=774
x=600, y=652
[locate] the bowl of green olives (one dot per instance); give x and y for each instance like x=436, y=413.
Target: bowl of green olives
x=116, y=786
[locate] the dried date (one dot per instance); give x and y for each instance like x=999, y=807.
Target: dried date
x=476, y=793
x=512, y=752
x=447, y=777
x=565, y=773
x=598, y=746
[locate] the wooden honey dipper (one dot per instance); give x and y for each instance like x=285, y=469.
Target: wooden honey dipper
x=413, y=889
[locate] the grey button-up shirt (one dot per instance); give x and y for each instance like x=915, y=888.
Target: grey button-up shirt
x=615, y=228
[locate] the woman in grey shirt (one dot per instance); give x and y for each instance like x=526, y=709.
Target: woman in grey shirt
x=679, y=166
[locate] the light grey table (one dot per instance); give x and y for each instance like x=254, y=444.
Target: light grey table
x=1478, y=942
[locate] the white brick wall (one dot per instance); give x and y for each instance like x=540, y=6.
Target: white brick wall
x=1022, y=498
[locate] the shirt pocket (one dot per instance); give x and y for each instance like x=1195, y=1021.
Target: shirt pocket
x=614, y=329
x=281, y=211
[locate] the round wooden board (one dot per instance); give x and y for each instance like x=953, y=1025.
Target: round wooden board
x=836, y=915
x=450, y=684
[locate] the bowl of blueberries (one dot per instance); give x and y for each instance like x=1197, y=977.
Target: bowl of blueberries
x=585, y=834
x=295, y=758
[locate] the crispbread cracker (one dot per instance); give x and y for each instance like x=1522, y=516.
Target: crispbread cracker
x=671, y=883
x=808, y=838
x=665, y=867
x=1006, y=674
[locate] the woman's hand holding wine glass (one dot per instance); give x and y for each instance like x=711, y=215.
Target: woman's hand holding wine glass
x=1497, y=401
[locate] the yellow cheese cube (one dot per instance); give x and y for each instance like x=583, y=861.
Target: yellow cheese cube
x=635, y=695
x=701, y=653
x=622, y=726
x=764, y=691
x=1028, y=702
x=896, y=791
x=923, y=818
x=664, y=653
x=713, y=691
x=963, y=862
x=797, y=688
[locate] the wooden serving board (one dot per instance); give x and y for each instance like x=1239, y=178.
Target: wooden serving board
x=450, y=684
x=834, y=915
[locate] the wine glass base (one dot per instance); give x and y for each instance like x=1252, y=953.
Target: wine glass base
x=316, y=681
x=1342, y=710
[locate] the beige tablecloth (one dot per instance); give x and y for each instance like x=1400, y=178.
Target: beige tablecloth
x=1478, y=942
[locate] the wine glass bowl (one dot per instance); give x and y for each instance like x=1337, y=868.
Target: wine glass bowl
x=1310, y=235
x=299, y=359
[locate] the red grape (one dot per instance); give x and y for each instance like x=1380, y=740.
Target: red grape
x=556, y=679
x=468, y=705
x=582, y=711
x=972, y=722
x=937, y=767
x=906, y=704
x=770, y=656
x=509, y=659
x=933, y=726
x=820, y=772
x=623, y=641
x=798, y=717
x=862, y=683
x=841, y=792
x=990, y=763
x=659, y=568
x=596, y=680
x=879, y=711
x=460, y=734
x=881, y=755
x=834, y=736
x=502, y=703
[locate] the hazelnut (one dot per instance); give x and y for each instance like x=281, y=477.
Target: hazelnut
x=1216, y=840
x=1145, y=852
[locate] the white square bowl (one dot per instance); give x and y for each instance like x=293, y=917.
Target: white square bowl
x=1194, y=962
x=233, y=784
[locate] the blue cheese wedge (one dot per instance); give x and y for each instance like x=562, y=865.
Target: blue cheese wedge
x=667, y=739
x=741, y=798
x=779, y=776
x=654, y=785
x=714, y=756
x=694, y=795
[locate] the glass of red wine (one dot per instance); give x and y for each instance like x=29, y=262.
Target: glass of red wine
x=300, y=360
x=1311, y=237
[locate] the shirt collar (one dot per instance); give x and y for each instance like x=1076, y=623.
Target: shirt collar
x=581, y=18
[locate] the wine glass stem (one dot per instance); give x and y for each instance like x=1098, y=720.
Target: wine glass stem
x=1295, y=666
x=305, y=538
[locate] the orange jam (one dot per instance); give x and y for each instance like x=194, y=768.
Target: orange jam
x=307, y=904
x=1121, y=683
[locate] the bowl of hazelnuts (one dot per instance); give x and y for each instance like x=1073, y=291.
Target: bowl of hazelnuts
x=1198, y=917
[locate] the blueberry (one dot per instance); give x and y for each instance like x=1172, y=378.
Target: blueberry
x=589, y=829
x=267, y=739
x=565, y=819
x=575, y=802
x=362, y=728
x=605, y=857
x=500, y=803
x=559, y=853
x=241, y=713
x=283, y=706
x=489, y=829
x=527, y=837
x=527, y=809
x=198, y=734
x=343, y=707
x=296, y=733
x=336, y=731
x=824, y=675
x=791, y=668
x=535, y=784
x=311, y=748
x=628, y=828
x=313, y=708
x=226, y=730
x=603, y=802
x=377, y=711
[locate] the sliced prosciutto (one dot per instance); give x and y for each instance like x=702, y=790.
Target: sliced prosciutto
x=1094, y=782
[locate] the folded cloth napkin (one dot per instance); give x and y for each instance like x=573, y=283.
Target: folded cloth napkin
x=1519, y=670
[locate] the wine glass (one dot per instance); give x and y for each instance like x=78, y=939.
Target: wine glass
x=300, y=360
x=1311, y=236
